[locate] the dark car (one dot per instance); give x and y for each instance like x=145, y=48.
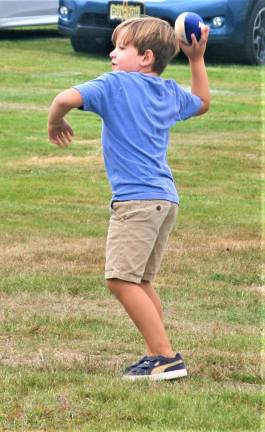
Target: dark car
x=237, y=27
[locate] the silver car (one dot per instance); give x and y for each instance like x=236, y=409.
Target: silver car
x=21, y=13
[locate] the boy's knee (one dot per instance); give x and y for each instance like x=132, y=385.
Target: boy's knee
x=118, y=286
x=113, y=285
x=109, y=283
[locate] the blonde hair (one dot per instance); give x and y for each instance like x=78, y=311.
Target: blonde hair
x=150, y=33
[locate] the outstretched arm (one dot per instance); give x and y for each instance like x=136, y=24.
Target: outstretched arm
x=59, y=130
x=199, y=80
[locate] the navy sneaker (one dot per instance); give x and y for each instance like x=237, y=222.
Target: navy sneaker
x=157, y=368
x=135, y=364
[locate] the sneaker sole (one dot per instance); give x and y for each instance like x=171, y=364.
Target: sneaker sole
x=158, y=377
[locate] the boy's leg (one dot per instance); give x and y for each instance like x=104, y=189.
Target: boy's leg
x=152, y=294
x=142, y=308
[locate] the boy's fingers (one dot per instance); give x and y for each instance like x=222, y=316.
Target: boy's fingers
x=71, y=131
x=183, y=45
x=69, y=136
x=204, y=34
x=61, y=136
x=194, y=39
x=64, y=139
x=57, y=141
x=53, y=140
x=206, y=30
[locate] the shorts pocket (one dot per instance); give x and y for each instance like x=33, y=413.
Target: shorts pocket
x=136, y=209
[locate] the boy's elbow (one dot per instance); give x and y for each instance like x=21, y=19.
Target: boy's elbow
x=69, y=99
x=205, y=107
x=62, y=100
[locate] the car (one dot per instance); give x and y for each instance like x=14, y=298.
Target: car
x=237, y=27
x=21, y=13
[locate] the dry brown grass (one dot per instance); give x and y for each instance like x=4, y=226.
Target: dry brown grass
x=14, y=106
x=29, y=315
x=59, y=160
x=51, y=358
x=62, y=306
x=80, y=256
x=66, y=254
x=48, y=255
x=39, y=351
x=214, y=243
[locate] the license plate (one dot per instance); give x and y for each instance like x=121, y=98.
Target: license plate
x=121, y=11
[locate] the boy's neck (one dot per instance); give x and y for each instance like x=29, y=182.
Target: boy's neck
x=151, y=74
x=147, y=70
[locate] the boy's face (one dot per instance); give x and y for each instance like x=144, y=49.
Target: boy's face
x=126, y=58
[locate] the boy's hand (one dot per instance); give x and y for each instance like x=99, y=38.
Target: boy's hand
x=60, y=133
x=197, y=49
x=59, y=130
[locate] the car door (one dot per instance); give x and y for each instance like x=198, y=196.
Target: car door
x=25, y=8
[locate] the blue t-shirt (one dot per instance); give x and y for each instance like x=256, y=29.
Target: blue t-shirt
x=138, y=111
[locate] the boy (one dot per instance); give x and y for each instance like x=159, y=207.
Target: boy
x=138, y=108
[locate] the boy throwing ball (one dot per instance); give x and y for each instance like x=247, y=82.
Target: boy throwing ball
x=138, y=108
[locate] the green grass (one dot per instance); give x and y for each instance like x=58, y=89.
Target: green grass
x=63, y=338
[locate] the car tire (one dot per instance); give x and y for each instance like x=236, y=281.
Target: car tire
x=255, y=35
x=82, y=45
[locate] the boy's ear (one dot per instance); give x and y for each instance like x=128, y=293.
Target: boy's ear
x=148, y=58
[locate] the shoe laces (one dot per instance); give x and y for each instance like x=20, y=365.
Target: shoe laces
x=145, y=362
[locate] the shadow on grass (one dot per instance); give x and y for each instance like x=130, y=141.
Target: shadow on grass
x=29, y=33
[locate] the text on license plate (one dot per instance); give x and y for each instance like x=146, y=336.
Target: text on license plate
x=122, y=12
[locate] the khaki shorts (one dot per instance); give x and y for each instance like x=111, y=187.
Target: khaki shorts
x=137, y=238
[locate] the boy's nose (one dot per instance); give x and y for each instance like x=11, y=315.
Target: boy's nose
x=112, y=54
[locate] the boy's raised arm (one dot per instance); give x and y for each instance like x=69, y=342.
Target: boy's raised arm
x=199, y=76
x=59, y=130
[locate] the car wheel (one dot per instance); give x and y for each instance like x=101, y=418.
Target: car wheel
x=83, y=45
x=255, y=39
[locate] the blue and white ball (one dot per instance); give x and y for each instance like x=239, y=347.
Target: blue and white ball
x=186, y=24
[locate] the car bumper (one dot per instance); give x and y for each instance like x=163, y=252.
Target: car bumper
x=100, y=35
x=81, y=30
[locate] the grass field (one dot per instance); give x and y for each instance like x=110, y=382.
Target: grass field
x=63, y=338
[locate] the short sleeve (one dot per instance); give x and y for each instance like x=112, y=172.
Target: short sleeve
x=94, y=94
x=189, y=104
